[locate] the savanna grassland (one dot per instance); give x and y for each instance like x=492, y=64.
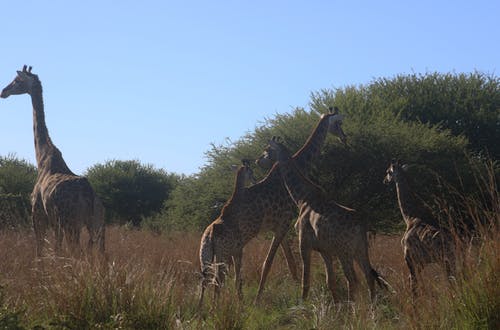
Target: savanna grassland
x=446, y=127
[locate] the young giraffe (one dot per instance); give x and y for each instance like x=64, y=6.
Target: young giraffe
x=325, y=226
x=424, y=241
x=219, y=244
x=60, y=199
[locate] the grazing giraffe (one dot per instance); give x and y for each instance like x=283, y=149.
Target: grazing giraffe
x=222, y=242
x=325, y=226
x=60, y=199
x=424, y=240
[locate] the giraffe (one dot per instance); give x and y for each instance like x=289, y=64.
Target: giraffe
x=276, y=209
x=424, y=241
x=325, y=226
x=60, y=199
x=266, y=205
x=221, y=242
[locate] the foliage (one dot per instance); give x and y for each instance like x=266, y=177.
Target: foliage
x=466, y=104
x=131, y=190
x=17, y=179
x=435, y=122
x=17, y=176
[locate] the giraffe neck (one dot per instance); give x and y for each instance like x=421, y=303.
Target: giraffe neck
x=406, y=200
x=239, y=182
x=239, y=188
x=300, y=188
x=48, y=157
x=312, y=147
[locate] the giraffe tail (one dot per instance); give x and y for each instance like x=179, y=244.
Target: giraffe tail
x=381, y=281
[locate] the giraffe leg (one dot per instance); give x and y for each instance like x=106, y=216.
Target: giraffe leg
x=237, y=273
x=59, y=238
x=305, y=254
x=413, y=277
x=370, y=274
x=203, y=287
x=450, y=262
x=330, y=275
x=73, y=238
x=40, y=222
x=277, y=239
x=290, y=260
x=350, y=274
x=221, y=270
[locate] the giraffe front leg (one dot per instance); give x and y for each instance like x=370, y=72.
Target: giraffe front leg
x=290, y=260
x=413, y=275
x=40, y=222
x=277, y=239
x=237, y=260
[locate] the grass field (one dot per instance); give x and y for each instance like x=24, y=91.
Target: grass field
x=151, y=281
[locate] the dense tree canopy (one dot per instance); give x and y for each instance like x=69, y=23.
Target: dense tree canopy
x=130, y=190
x=433, y=121
x=17, y=178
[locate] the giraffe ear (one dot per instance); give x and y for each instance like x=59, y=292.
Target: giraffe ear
x=234, y=168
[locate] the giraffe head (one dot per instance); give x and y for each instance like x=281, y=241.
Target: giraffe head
x=247, y=172
x=275, y=151
x=395, y=171
x=335, y=124
x=22, y=84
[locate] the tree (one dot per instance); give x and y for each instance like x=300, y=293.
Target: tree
x=17, y=179
x=129, y=190
x=418, y=118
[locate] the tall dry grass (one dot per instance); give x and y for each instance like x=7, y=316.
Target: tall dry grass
x=151, y=281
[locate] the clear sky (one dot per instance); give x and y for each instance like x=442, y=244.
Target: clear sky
x=159, y=81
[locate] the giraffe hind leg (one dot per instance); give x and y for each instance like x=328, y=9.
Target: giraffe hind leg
x=350, y=274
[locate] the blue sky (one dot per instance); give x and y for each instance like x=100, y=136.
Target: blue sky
x=159, y=81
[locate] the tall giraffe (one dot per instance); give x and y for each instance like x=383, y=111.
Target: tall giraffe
x=424, y=241
x=221, y=242
x=325, y=226
x=273, y=203
x=60, y=199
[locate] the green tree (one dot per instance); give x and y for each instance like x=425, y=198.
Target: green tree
x=17, y=179
x=17, y=176
x=417, y=118
x=130, y=190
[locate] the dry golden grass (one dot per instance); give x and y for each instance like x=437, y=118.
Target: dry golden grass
x=152, y=281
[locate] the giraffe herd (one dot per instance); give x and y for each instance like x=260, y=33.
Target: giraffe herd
x=66, y=203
